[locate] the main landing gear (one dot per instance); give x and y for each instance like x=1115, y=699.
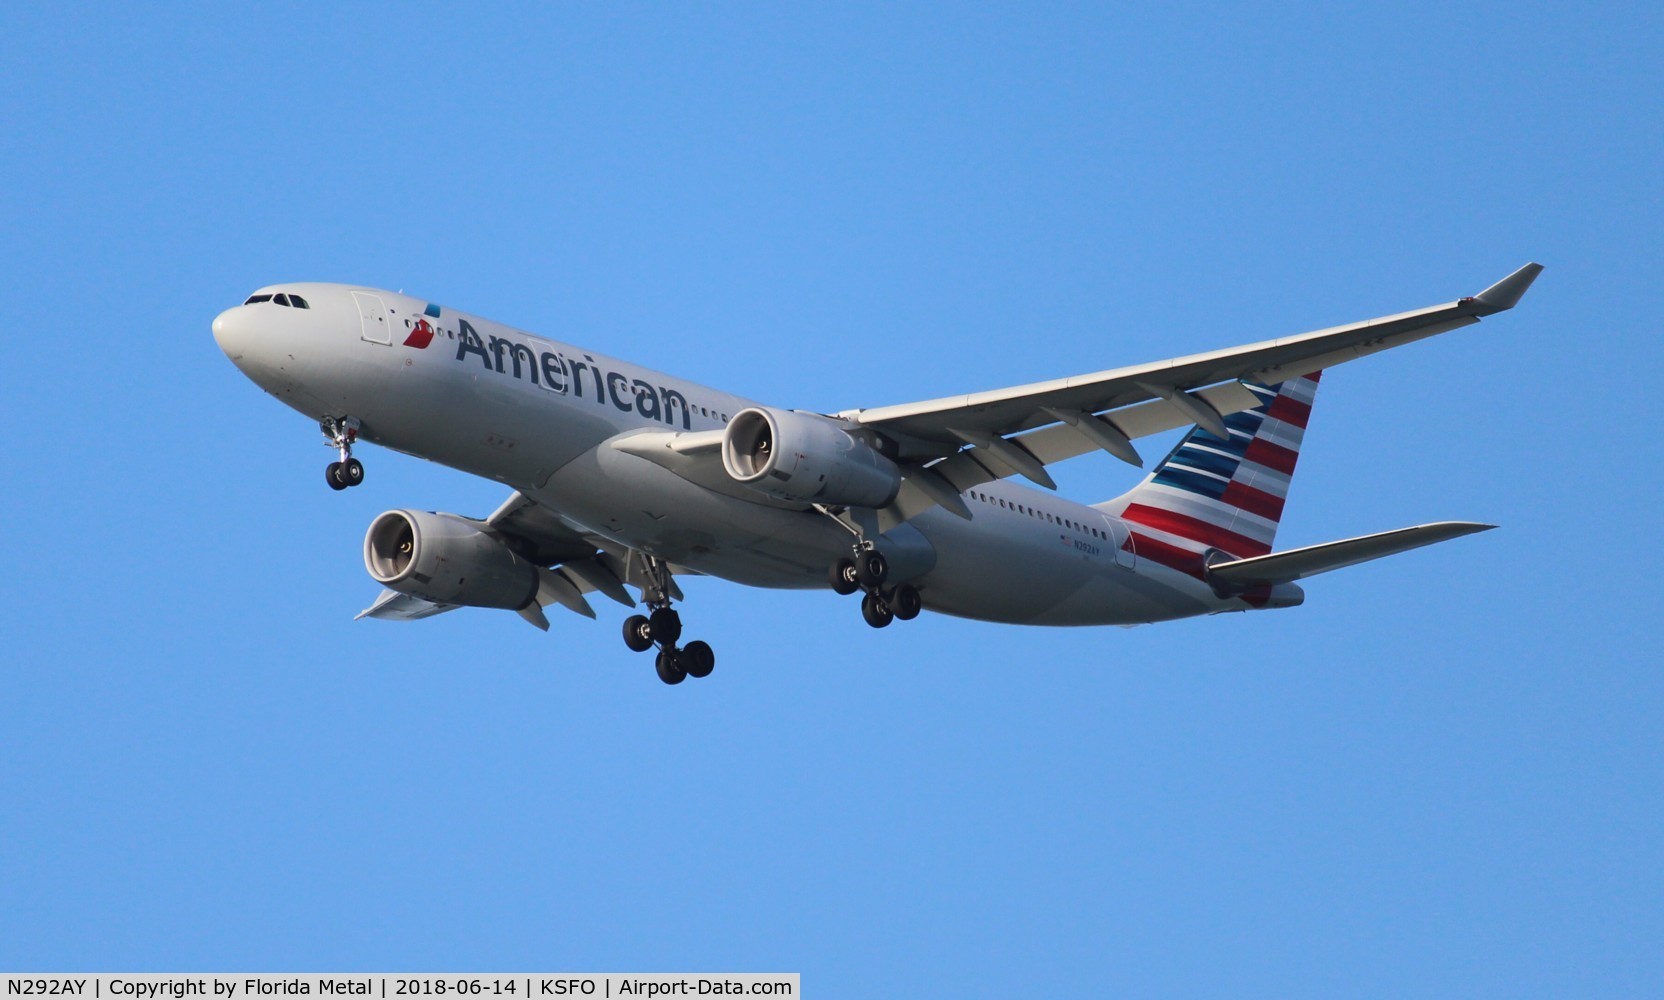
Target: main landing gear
x=868, y=571
x=340, y=435
x=662, y=627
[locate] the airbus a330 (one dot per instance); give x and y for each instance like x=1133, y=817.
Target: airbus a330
x=624, y=478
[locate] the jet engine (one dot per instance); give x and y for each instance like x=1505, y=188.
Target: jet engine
x=806, y=458
x=447, y=560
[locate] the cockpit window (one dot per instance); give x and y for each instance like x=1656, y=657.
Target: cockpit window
x=281, y=298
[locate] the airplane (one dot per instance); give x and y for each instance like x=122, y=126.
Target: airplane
x=625, y=477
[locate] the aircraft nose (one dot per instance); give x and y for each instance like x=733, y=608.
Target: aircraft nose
x=228, y=333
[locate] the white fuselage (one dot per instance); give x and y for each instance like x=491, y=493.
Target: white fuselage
x=537, y=415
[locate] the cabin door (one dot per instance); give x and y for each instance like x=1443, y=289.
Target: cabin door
x=372, y=313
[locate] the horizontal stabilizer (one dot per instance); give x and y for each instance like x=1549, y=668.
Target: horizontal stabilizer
x=1297, y=564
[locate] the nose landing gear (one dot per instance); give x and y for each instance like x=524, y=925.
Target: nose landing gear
x=662, y=627
x=340, y=435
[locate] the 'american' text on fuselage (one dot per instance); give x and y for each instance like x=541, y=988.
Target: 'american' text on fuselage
x=553, y=371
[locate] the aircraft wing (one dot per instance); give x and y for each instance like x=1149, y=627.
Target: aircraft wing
x=949, y=445
x=953, y=421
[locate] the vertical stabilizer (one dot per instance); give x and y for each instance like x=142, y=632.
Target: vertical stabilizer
x=1222, y=494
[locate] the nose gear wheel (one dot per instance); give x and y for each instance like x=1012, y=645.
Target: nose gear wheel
x=340, y=433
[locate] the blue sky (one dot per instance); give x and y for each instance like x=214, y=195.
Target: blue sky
x=1439, y=777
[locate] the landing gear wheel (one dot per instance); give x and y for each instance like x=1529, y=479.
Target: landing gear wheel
x=871, y=568
x=670, y=668
x=666, y=626
x=876, y=611
x=339, y=434
x=638, y=633
x=905, y=602
x=697, y=659
x=843, y=578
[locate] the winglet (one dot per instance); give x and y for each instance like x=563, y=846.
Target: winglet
x=1506, y=293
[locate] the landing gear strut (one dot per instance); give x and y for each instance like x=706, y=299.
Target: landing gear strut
x=662, y=627
x=340, y=435
x=866, y=569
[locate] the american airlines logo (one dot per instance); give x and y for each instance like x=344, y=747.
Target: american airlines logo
x=421, y=335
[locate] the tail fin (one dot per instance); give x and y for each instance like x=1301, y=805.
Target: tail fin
x=1218, y=494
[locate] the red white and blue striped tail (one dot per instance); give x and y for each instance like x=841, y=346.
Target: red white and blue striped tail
x=1224, y=495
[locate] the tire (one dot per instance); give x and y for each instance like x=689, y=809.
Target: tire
x=842, y=577
x=352, y=472
x=670, y=671
x=332, y=476
x=905, y=602
x=666, y=626
x=697, y=659
x=876, y=612
x=871, y=568
x=638, y=633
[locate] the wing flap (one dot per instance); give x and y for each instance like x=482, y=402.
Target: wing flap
x=546, y=539
x=975, y=466
x=1297, y=564
x=394, y=606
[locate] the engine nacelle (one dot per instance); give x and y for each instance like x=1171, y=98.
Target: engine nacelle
x=809, y=459
x=447, y=560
